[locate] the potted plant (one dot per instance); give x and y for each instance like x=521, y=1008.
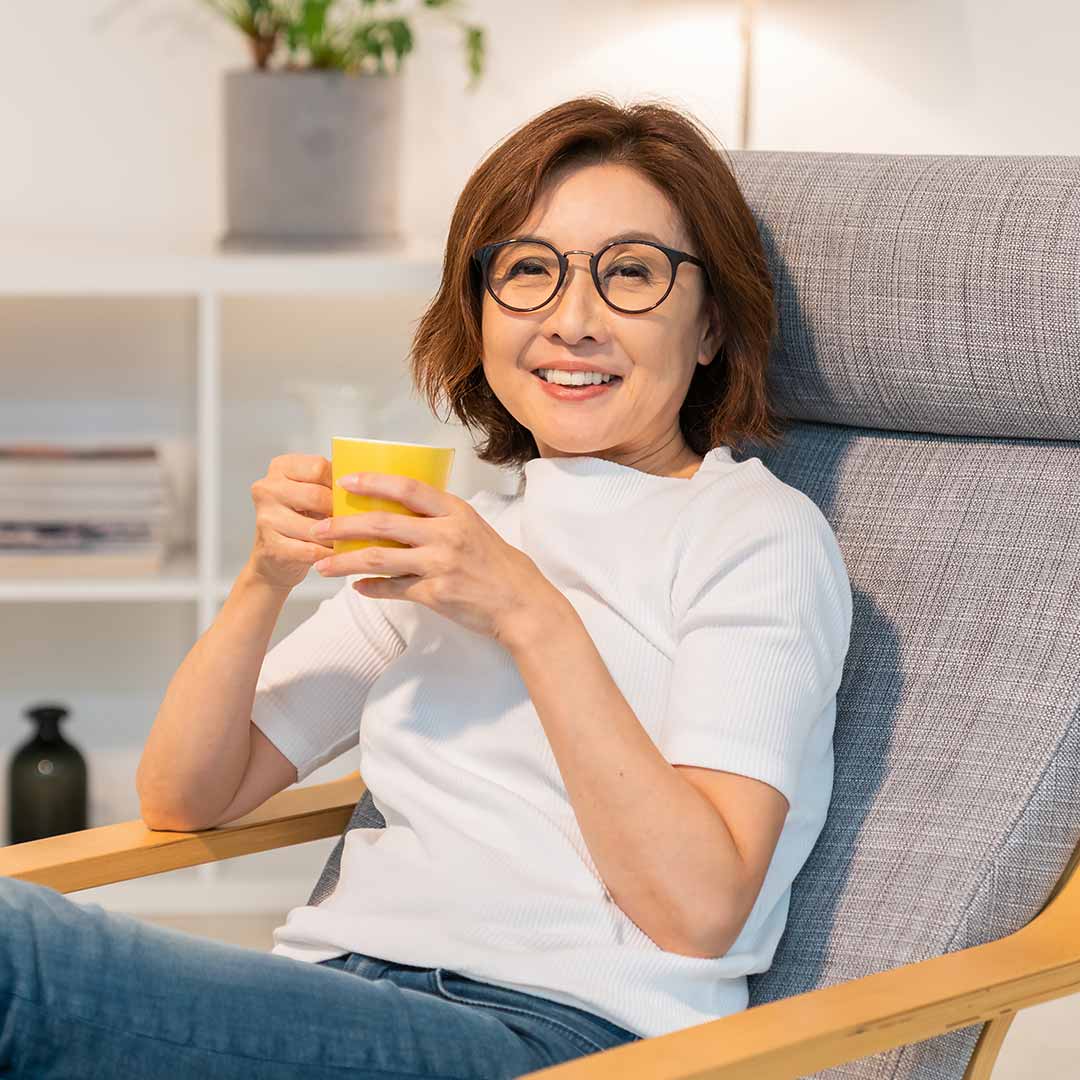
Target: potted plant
x=312, y=129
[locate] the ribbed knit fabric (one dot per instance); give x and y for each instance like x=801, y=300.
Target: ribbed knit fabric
x=722, y=608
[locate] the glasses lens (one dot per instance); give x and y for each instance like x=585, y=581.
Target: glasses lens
x=523, y=275
x=634, y=276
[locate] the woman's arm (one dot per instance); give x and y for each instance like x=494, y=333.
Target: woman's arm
x=199, y=746
x=662, y=850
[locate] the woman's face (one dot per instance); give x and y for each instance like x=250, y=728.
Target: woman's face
x=636, y=422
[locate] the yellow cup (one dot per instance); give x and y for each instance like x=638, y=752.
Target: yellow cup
x=431, y=464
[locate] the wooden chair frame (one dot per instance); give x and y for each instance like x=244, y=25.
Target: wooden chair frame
x=779, y=1040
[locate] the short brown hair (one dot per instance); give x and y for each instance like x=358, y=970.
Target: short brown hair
x=726, y=403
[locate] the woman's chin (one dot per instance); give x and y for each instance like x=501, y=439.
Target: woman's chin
x=575, y=449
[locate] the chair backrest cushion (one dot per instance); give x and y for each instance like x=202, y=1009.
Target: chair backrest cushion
x=956, y=791
x=928, y=361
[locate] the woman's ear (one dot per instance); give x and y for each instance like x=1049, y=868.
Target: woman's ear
x=712, y=337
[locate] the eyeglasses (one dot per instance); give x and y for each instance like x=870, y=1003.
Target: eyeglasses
x=631, y=276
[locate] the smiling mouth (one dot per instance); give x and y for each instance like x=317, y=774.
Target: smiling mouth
x=577, y=386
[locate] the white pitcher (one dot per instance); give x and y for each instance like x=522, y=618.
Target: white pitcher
x=332, y=408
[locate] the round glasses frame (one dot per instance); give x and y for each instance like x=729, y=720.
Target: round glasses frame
x=482, y=258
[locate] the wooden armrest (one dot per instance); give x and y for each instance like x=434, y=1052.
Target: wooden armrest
x=129, y=849
x=799, y=1035
x=782, y=1040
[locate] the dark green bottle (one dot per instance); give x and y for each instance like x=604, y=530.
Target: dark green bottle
x=46, y=781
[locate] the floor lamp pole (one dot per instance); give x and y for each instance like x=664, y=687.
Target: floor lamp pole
x=746, y=63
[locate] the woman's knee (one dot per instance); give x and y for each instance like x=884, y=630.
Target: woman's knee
x=21, y=896
x=19, y=902
x=31, y=917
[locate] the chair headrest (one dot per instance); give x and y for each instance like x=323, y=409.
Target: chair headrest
x=922, y=292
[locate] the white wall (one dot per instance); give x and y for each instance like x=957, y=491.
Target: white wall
x=119, y=131
x=136, y=105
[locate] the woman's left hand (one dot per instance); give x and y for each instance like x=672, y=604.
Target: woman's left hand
x=456, y=563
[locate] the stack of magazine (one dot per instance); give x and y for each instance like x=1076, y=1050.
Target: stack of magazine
x=77, y=510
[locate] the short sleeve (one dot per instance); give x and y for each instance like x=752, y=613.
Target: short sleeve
x=313, y=683
x=761, y=603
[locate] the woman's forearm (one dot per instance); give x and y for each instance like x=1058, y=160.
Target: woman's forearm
x=199, y=745
x=663, y=852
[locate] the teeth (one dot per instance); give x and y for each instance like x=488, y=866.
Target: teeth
x=573, y=378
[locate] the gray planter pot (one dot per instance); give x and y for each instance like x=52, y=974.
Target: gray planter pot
x=311, y=160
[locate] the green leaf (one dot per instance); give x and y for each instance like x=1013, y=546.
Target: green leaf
x=236, y=12
x=401, y=39
x=313, y=18
x=303, y=24
x=474, y=48
x=255, y=18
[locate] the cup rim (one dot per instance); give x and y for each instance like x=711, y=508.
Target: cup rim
x=389, y=442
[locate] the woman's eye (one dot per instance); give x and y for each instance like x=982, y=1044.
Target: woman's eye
x=525, y=266
x=638, y=270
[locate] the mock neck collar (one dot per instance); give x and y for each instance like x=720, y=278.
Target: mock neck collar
x=604, y=482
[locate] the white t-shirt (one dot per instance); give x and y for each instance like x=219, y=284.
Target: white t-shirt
x=722, y=608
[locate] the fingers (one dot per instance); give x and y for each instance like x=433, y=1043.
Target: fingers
x=313, y=549
x=296, y=526
x=303, y=469
x=314, y=498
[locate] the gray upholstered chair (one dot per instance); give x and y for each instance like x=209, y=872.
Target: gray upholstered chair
x=929, y=360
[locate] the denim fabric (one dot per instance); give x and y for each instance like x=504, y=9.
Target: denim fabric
x=88, y=993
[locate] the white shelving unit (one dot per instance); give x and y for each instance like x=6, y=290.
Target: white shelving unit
x=65, y=266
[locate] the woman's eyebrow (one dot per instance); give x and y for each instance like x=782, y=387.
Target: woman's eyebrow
x=628, y=234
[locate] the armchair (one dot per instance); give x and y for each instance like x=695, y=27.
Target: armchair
x=928, y=358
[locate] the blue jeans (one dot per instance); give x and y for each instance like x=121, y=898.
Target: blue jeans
x=87, y=993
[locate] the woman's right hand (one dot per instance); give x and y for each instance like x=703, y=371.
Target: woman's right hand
x=296, y=491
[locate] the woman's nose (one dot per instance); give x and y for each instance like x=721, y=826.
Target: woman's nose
x=578, y=282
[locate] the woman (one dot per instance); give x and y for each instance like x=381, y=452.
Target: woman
x=597, y=714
